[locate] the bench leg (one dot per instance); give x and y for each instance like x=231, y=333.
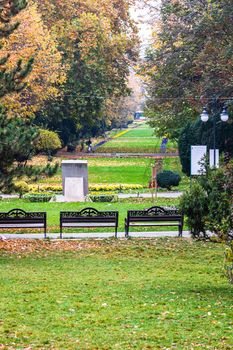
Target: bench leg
x=61, y=232
x=126, y=231
x=180, y=230
x=116, y=232
x=45, y=231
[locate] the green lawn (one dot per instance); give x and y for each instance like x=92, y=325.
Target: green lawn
x=157, y=294
x=140, y=140
x=124, y=171
x=53, y=211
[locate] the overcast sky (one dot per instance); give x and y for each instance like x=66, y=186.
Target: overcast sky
x=142, y=16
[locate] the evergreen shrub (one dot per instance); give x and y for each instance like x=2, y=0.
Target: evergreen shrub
x=194, y=205
x=167, y=179
x=102, y=198
x=208, y=203
x=39, y=197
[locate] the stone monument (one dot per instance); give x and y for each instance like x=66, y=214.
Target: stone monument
x=74, y=180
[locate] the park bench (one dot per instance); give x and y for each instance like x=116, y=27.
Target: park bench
x=154, y=216
x=88, y=217
x=18, y=218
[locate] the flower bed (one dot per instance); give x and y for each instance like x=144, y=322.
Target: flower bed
x=92, y=187
x=120, y=134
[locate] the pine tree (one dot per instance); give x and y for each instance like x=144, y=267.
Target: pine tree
x=17, y=135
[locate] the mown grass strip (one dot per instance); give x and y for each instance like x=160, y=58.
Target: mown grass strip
x=136, y=294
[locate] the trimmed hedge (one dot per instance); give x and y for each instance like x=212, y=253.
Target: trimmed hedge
x=102, y=198
x=39, y=197
x=167, y=179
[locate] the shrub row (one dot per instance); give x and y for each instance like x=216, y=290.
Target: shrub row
x=102, y=198
x=96, y=187
x=114, y=187
x=45, y=188
x=39, y=197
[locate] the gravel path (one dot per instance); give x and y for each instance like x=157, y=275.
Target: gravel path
x=96, y=235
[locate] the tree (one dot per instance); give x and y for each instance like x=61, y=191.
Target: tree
x=199, y=133
x=16, y=145
x=17, y=135
x=33, y=39
x=189, y=62
x=98, y=42
x=13, y=79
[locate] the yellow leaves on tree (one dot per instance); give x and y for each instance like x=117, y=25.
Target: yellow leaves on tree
x=33, y=39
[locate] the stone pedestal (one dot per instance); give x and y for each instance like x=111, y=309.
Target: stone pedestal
x=74, y=179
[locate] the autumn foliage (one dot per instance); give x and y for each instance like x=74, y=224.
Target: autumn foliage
x=71, y=40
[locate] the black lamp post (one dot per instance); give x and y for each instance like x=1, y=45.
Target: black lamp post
x=224, y=118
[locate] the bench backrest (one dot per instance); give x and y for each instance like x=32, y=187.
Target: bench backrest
x=155, y=213
x=88, y=215
x=17, y=216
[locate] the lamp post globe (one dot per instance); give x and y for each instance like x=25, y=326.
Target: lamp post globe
x=204, y=116
x=224, y=115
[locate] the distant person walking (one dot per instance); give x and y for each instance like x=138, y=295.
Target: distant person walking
x=89, y=146
x=164, y=144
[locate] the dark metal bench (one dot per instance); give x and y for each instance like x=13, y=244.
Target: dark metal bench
x=154, y=216
x=88, y=217
x=18, y=218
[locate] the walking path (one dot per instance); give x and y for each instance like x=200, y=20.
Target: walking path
x=149, y=195
x=95, y=235
x=122, y=195
x=75, y=155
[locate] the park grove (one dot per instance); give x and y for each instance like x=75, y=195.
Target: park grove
x=116, y=175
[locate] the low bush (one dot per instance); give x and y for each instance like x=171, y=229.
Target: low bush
x=114, y=187
x=96, y=187
x=21, y=187
x=48, y=142
x=102, y=198
x=39, y=197
x=167, y=179
x=45, y=188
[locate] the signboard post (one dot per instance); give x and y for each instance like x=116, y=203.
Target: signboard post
x=214, y=158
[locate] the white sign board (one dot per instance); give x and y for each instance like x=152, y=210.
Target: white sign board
x=198, y=154
x=214, y=164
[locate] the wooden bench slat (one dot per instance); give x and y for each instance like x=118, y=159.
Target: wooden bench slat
x=152, y=224
x=76, y=224
x=18, y=225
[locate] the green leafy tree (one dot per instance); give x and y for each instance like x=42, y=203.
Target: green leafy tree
x=102, y=50
x=17, y=135
x=48, y=142
x=199, y=133
x=189, y=62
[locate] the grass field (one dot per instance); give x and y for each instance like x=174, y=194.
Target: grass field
x=136, y=294
x=53, y=211
x=122, y=170
x=119, y=171
x=139, y=140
